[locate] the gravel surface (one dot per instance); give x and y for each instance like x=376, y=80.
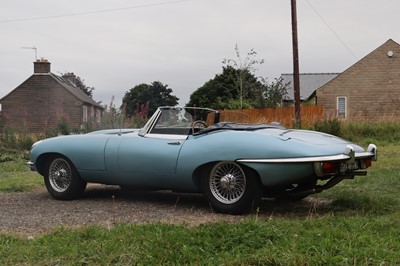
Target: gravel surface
x=35, y=213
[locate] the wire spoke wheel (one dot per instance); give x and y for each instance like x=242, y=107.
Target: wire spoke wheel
x=227, y=182
x=60, y=175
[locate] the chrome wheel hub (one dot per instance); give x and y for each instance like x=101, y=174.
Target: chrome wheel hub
x=228, y=181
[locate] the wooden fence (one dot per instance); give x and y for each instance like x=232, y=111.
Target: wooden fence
x=285, y=115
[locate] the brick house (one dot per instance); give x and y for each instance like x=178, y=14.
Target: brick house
x=42, y=101
x=369, y=90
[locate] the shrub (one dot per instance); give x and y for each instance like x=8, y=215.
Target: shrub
x=332, y=126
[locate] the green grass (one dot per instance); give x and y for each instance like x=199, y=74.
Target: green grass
x=15, y=176
x=328, y=240
x=358, y=225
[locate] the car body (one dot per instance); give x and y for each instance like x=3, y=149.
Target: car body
x=190, y=150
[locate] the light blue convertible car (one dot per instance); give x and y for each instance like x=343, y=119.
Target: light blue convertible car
x=190, y=150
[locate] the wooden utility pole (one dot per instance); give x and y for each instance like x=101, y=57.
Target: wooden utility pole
x=296, y=79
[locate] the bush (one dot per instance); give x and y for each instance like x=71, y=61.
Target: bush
x=382, y=131
x=332, y=127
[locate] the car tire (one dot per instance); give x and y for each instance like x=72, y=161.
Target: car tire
x=62, y=179
x=232, y=188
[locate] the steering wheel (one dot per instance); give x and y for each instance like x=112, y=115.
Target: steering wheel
x=198, y=122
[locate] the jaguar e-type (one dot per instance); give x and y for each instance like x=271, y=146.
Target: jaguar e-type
x=188, y=149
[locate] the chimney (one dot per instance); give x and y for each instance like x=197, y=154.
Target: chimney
x=41, y=66
x=70, y=76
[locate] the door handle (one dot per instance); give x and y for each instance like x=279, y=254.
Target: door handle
x=174, y=143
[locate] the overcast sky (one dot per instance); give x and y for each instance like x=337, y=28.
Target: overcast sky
x=115, y=45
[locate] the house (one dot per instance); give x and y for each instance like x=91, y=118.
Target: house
x=44, y=100
x=309, y=83
x=369, y=90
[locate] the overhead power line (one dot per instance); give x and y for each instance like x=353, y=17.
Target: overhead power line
x=331, y=29
x=93, y=12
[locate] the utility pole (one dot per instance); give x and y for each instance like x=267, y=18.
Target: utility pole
x=296, y=79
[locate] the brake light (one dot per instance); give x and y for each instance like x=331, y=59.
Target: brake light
x=329, y=167
x=367, y=163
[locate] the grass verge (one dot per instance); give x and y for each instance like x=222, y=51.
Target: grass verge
x=328, y=240
x=359, y=226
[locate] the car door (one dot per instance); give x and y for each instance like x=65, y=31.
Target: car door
x=150, y=154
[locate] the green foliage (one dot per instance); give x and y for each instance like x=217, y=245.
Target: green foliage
x=233, y=104
x=221, y=91
x=332, y=126
x=329, y=240
x=382, y=132
x=63, y=127
x=79, y=82
x=272, y=93
x=16, y=177
x=388, y=131
x=144, y=99
x=5, y=157
x=237, y=87
x=13, y=142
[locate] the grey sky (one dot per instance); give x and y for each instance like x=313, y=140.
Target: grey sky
x=182, y=44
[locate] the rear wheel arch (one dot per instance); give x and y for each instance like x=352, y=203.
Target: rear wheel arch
x=199, y=172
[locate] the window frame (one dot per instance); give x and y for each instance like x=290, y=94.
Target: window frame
x=85, y=114
x=339, y=114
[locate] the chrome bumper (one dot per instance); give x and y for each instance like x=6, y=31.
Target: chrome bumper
x=31, y=165
x=349, y=156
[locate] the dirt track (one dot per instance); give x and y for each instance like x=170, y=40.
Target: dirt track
x=34, y=213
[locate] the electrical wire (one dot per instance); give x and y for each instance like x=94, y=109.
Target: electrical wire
x=93, y=12
x=332, y=30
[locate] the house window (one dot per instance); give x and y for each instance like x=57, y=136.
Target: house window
x=98, y=115
x=341, y=107
x=85, y=114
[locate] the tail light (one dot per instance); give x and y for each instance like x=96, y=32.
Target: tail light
x=329, y=167
x=366, y=163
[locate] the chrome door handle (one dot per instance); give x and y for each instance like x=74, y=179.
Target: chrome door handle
x=174, y=143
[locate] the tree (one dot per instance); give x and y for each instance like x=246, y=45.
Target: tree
x=243, y=67
x=221, y=91
x=149, y=97
x=273, y=93
x=237, y=87
x=81, y=85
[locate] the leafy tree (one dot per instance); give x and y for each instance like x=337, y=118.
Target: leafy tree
x=274, y=92
x=79, y=82
x=237, y=87
x=148, y=97
x=270, y=94
x=221, y=91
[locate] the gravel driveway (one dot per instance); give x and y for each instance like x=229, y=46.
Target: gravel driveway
x=35, y=213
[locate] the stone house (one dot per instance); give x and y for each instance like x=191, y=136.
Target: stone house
x=44, y=100
x=369, y=90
